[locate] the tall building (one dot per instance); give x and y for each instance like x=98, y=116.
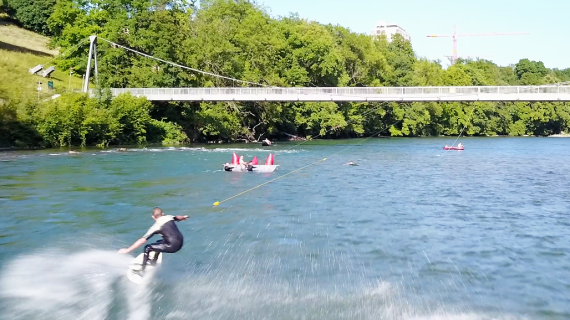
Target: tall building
x=389, y=30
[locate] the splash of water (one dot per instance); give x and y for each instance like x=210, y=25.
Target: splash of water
x=84, y=285
x=92, y=285
x=214, y=297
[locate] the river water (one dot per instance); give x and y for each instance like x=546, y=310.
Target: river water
x=413, y=232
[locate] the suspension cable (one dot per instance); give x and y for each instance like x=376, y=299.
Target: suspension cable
x=181, y=66
x=68, y=51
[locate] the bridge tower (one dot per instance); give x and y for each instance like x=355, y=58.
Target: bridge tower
x=92, y=56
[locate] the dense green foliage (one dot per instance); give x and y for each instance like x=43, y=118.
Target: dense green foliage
x=3, y=7
x=238, y=39
x=31, y=14
x=76, y=119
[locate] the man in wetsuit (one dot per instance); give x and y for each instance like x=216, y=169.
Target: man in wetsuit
x=171, y=240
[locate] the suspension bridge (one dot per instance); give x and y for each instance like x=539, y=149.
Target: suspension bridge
x=551, y=93
x=362, y=94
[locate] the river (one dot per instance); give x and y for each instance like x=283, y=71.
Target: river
x=412, y=232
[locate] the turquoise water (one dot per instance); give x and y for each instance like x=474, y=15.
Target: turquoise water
x=413, y=232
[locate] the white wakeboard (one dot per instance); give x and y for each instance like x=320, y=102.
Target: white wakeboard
x=136, y=264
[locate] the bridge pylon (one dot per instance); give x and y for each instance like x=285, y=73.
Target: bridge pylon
x=92, y=56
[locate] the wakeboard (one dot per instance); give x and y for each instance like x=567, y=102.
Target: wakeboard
x=136, y=265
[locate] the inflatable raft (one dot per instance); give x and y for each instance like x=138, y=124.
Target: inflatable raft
x=453, y=148
x=254, y=168
x=252, y=165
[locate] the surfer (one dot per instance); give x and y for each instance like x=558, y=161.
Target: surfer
x=171, y=240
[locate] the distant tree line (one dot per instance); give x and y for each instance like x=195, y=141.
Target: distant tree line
x=239, y=39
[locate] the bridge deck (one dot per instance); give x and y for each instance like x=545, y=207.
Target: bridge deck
x=402, y=94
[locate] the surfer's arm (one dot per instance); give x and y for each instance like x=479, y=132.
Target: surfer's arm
x=135, y=245
x=154, y=229
x=180, y=218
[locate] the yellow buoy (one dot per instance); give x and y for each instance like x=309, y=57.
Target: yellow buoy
x=216, y=203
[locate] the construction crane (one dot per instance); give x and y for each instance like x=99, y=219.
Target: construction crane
x=453, y=57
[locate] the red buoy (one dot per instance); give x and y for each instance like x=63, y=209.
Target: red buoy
x=235, y=159
x=254, y=161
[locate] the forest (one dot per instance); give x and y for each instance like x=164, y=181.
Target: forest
x=240, y=39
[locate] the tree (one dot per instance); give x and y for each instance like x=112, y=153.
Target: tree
x=239, y=39
x=563, y=75
x=427, y=73
x=32, y=14
x=530, y=72
x=402, y=60
x=3, y=7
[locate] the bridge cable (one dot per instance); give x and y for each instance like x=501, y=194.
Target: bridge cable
x=181, y=66
x=296, y=170
x=72, y=49
x=230, y=78
x=213, y=74
x=68, y=51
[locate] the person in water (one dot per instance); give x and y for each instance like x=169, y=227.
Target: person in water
x=171, y=241
x=244, y=164
x=350, y=163
x=460, y=145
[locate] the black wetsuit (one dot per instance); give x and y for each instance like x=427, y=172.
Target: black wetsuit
x=171, y=241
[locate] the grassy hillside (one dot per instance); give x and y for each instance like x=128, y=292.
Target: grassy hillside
x=21, y=50
x=72, y=119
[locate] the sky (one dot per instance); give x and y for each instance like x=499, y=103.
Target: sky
x=545, y=20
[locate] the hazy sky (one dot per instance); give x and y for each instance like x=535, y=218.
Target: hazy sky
x=547, y=21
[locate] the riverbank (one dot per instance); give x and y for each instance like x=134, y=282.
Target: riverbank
x=560, y=135
x=248, y=144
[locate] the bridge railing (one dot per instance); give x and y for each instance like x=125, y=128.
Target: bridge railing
x=349, y=91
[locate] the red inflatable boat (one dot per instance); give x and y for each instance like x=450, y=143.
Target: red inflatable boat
x=453, y=148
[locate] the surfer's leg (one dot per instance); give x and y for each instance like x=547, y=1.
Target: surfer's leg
x=147, y=250
x=157, y=247
x=152, y=261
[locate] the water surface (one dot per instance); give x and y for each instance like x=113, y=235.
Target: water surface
x=413, y=232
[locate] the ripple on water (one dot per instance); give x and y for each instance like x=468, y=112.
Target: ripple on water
x=405, y=235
